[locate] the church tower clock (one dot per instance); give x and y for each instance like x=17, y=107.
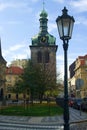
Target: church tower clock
x=43, y=48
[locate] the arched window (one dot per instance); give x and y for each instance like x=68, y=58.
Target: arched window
x=46, y=57
x=1, y=94
x=39, y=57
x=16, y=96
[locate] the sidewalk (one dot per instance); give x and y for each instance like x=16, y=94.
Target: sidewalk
x=75, y=116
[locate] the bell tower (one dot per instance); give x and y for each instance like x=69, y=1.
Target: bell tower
x=43, y=48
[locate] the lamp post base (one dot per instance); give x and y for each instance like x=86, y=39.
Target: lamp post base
x=66, y=126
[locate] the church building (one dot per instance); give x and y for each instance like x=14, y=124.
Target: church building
x=44, y=48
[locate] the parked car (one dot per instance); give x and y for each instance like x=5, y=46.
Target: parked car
x=71, y=101
x=77, y=103
x=84, y=104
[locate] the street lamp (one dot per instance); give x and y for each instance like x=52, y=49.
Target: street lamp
x=65, y=26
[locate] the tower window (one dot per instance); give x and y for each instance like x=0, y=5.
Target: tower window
x=9, y=96
x=39, y=57
x=46, y=57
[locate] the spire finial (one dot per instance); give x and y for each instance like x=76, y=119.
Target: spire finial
x=43, y=4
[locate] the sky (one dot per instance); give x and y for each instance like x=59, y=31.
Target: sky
x=19, y=22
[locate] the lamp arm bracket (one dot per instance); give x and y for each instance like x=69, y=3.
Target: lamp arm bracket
x=65, y=44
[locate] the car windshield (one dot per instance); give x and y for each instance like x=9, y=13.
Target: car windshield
x=79, y=100
x=85, y=99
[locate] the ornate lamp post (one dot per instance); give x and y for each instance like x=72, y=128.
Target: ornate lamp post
x=65, y=26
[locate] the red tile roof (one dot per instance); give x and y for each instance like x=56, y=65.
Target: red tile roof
x=82, y=62
x=82, y=57
x=15, y=70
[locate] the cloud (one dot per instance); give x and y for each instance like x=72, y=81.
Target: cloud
x=6, y=5
x=51, y=27
x=14, y=22
x=60, y=57
x=34, y=0
x=20, y=56
x=10, y=55
x=16, y=47
x=17, y=51
x=80, y=5
x=5, y=52
x=71, y=58
x=60, y=1
x=81, y=20
x=14, y=56
x=1, y=29
x=15, y=4
x=3, y=6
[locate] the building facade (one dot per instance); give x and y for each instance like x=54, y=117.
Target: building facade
x=43, y=48
x=2, y=75
x=79, y=72
x=12, y=75
x=72, y=79
x=19, y=62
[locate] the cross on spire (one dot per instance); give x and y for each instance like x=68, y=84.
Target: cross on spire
x=43, y=4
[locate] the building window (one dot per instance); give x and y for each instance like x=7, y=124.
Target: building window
x=46, y=57
x=1, y=93
x=9, y=96
x=39, y=57
x=9, y=79
x=9, y=89
x=10, y=71
x=85, y=62
x=16, y=96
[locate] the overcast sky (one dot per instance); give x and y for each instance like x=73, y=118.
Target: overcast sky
x=19, y=22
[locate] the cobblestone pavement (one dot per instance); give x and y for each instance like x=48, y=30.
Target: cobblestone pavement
x=18, y=126
x=78, y=121
x=79, y=126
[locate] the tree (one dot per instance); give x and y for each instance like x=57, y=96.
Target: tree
x=36, y=81
x=31, y=81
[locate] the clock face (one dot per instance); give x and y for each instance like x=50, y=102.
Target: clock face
x=43, y=39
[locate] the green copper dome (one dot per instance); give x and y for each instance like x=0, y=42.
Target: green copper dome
x=36, y=41
x=43, y=31
x=51, y=39
x=43, y=14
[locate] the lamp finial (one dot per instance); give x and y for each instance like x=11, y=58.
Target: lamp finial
x=64, y=11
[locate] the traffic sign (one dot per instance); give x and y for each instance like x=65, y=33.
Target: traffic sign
x=79, y=83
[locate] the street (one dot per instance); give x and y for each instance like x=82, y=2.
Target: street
x=19, y=126
x=78, y=121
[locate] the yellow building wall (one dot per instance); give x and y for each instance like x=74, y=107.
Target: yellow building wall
x=81, y=72
x=10, y=82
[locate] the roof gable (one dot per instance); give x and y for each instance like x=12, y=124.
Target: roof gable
x=15, y=70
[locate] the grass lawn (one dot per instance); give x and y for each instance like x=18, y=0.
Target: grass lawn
x=32, y=110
